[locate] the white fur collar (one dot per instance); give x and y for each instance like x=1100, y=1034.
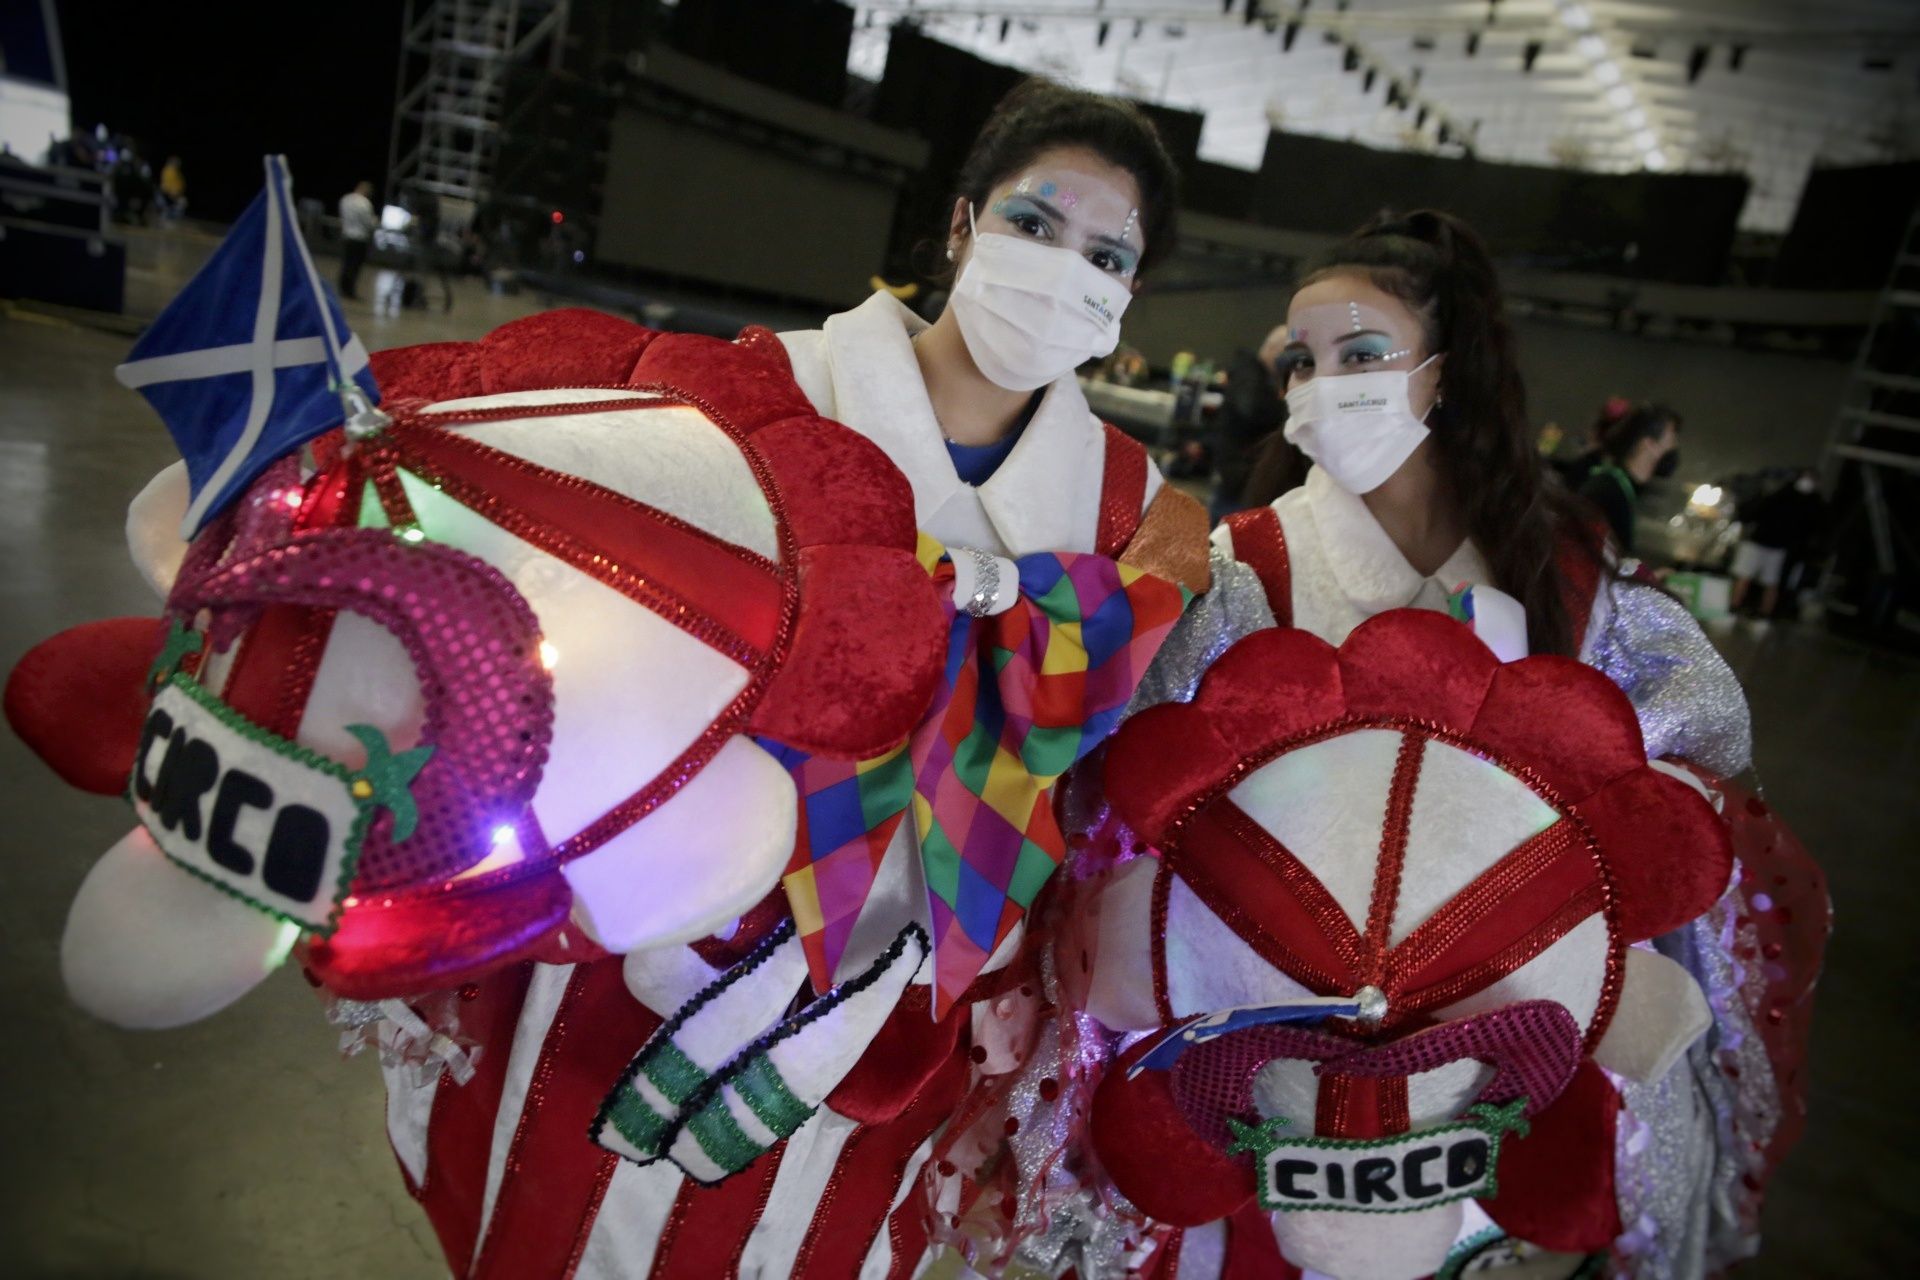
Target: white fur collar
x=1371, y=572
x=1044, y=497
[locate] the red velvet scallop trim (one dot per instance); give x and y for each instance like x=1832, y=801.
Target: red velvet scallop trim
x=750, y=386
x=1670, y=855
x=1563, y=727
x=569, y=347
x=865, y=660
x=850, y=488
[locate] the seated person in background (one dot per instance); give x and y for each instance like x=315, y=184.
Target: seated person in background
x=1643, y=445
x=1588, y=451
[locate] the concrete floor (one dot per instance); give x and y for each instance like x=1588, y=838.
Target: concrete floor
x=243, y=1147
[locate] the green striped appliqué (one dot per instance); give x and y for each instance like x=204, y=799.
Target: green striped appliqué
x=762, y=1088
x=721, y=1137
x=673, y=1073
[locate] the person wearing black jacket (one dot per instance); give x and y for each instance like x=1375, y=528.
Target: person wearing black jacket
x=1780, y=529
x=1250, y=411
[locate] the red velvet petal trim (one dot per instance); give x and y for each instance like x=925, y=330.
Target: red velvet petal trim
x=431, y=372
x=1418, y=663
x=866, y=656
x=766, y=344
x=79, y=699
x=1556, y=1184
x=1272, y=686
x=571, y=347
x=1568, y=722
x=1160, y=764
x=1154, y=1156
x=840, y=487
x=744, y=382
x=1668, y=854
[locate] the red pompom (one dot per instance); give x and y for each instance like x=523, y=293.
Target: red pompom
x=1556, y=1184
x=1154, y=1156
x=79, y=699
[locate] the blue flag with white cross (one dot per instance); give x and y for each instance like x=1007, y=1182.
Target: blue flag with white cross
x=252, y=359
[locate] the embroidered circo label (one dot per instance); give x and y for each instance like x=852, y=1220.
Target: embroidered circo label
x=1401, y=1174
x=267, y=820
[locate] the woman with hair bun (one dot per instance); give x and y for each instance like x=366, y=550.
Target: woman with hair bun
x=807, y=1059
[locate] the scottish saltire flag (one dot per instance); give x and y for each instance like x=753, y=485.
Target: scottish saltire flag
x=1027, y=693
x=250, y=361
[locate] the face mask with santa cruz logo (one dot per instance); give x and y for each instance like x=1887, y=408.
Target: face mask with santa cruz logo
x=1031, y=313
x=1359, y=427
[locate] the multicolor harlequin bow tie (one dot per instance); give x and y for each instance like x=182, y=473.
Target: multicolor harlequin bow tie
x=1027, y=692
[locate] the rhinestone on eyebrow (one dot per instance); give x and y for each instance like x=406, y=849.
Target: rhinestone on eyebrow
x=1353, y=314
x=1133, y=216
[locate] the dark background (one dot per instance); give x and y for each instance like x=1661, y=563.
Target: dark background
x=221, y=85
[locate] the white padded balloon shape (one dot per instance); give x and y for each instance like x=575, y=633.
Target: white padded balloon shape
x=148, y=946
x=697, y=861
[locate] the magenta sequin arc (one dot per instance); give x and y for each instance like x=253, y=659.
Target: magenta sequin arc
x=475, y=647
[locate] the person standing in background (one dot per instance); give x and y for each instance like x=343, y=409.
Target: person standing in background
x=424, y=235
x=1781, y=528
x=1250, y=411
x=356, y=236
x=1644, y=445
x=173, y=190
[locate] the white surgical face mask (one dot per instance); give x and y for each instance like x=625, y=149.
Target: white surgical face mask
x=1359, y=427
x=1032, y=313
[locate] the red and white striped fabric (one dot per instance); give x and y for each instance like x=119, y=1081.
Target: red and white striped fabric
x=504, y=1168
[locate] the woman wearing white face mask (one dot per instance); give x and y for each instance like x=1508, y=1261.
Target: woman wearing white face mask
x=1065, y=200
x=1403, y=389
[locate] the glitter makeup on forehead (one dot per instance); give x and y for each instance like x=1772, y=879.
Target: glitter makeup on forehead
x=1065, y=197
x=1325, y=319
x=1061, y=199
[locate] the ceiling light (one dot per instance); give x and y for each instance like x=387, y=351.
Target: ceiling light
x=1576, y=16
x=1656, y=159
x=1646, y=140
x=1636, y=119
x=1620, y=96
x=1606, y=71
x=1591, y=45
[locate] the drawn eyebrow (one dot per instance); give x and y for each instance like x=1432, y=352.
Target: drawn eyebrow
x=1344, y=337
x=1039, y=204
